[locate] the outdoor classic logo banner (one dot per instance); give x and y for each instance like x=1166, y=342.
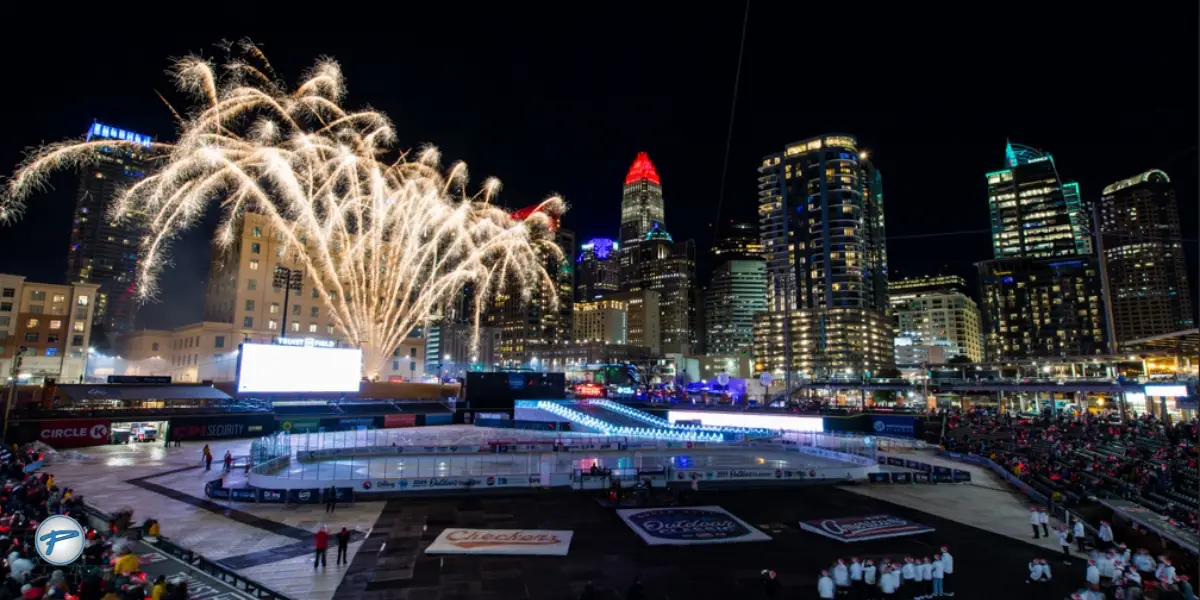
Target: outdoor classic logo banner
x=858, y=529
x=457, y=540
x=692, y=525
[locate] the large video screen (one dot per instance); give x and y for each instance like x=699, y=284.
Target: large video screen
x=498, y=391
x=772, y=422
x=298, y=369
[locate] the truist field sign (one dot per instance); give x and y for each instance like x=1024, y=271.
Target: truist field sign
x=528, y=542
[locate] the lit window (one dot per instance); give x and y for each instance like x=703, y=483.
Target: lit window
x=31, y=323
x=256, y=232
x=81, y=300
x=51, y=351
x=78, y=326
x=254, y=264
x=312, y=327
x=272, y=324
x=295, y=325
x=329, y=329
x=59, y=299
x=56, y=324
x=274, y=308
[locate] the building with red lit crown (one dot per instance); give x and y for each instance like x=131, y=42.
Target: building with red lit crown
x=641, y=208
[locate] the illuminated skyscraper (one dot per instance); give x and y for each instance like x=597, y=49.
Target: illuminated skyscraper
x=641, y=208
x=101, y=252
x=598, y=269
x=669, y=268
x=1033, y=213
x=738, y=240
x=935, y=320
x=822, y=227
x=737, y=293
x=1143, y=254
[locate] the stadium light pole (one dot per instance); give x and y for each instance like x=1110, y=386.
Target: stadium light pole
x=288, y=279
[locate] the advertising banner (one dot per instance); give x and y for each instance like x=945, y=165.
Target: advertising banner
x=272, y=496
x=687, y=526
x=356, y=422
x=78, y=433
x=962, y=475
x=344, y=494
x=859, y=529
x=917, y=465
x=726, y=474
x=224, y=427
x=400, y=421
x=448, y=483
x=523, y=542
x=879, y=477
x=300, y=425
x=901, y=477
x=894, y=425
x=921, y=478
x=243, y=494
x=312, y=496
x=442, y=419
x=895, y=462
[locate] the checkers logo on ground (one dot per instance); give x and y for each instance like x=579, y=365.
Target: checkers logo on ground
x=501, y=541
x=59, y=540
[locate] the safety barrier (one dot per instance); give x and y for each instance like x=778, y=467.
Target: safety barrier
x=99, y=520
x=920, y=472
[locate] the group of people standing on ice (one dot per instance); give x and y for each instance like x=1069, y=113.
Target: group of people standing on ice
x=907, y=579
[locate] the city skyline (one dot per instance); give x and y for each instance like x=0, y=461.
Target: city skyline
x=561, y=148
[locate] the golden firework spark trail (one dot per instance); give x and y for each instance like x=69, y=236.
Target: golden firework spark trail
x=386, y=241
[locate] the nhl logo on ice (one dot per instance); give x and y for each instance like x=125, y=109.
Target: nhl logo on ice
x=880, y=427
x=59, y=540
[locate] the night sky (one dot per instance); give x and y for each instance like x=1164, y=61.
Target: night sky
x=560, y=100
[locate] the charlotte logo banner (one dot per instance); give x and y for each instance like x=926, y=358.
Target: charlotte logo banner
x=687, y=526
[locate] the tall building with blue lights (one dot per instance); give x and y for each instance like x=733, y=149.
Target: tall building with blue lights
x=821, y=221
x=101, y=252
x=1042, y=294
x=1033, y=213
x=598, y=269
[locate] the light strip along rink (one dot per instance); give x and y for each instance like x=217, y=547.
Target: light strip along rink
x=451, y=465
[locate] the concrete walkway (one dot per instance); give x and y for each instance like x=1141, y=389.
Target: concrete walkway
x=987, y=502
x=268, y=543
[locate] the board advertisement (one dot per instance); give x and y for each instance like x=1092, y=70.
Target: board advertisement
x=78, y=433
x=400, y=420
x=518, y=542
x=859, y=529
x=679, y=526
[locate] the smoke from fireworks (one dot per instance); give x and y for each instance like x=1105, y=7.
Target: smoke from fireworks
x=386, y=240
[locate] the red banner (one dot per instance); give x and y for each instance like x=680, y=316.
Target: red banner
x=400, y=420
x=75, y=434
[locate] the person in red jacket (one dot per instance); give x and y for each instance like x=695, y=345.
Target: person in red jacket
x=322, y=543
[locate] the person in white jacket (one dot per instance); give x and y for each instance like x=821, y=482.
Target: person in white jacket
x=1079, y=534
x=1106, y=535
x=1037, y=574
x=938, y=574
x=868, y=574
x=1105, y=563
x=1035, y=519
x=927, y=576
x=841, y=576
x=908, y=573
x=917, y=588
x=1044, y=521
x=1143, y=561
x=856, y=577
x=825, y=585
x=1064, y=543
x=1167, y=574
x=887, y=582
x=1093, y=573
x=1124, y=553
x=948, y=567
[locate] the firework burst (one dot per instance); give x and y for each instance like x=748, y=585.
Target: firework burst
x=387, y=237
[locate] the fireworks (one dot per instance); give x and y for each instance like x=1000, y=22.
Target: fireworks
x=388, y=241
